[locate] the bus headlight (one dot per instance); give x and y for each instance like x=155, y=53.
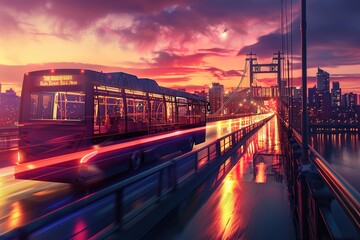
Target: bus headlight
x=86, y=158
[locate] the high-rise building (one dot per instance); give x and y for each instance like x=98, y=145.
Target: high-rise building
x=323, y=106
x=312, y=92
x=322, y=80
x=216, y=98
x=296, y=93
x=349, y=100
x=331, y=107
x=335, y=94
x=9, y=105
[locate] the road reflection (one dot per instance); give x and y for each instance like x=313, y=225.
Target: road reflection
x=260, y=176
x=23, y=201
x=231, y=204
x=15, y=218
x=228, y=203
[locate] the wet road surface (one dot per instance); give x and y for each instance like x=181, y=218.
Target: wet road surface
x=250, y=202
x=21, y=201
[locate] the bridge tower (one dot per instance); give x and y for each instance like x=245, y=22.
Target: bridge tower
x=273, y=67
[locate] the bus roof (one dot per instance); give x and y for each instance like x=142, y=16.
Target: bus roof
x=120, y=79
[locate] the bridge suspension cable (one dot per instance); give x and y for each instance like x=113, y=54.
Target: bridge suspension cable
x=234, y=92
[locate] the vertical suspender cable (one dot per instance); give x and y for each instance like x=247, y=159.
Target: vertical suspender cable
x=291, y=64
x=289, y=92
x=304, y=120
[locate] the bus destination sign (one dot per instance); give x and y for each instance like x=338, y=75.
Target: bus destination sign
x=58, y=80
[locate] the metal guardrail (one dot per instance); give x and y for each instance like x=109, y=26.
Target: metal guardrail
x=215, y=118
x=9, y=129
x=8, y=137
x=126, y=195
x=343, y=191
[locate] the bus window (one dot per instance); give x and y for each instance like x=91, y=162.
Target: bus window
x=41, y=105
x=102, y=118
x=57, y=106
x=69, y=106
x=109, y=114
x=96, y=116
x=182, y=110
x=34, y=106
x=157, y=110
x=197, y=112
x=115, y=112
x=170, y=110
x=137, y=111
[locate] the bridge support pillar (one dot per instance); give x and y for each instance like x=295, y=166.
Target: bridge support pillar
x=319, y=198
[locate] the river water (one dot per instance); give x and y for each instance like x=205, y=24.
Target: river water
x=342, y=151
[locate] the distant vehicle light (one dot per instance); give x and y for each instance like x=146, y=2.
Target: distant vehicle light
x=86, y=158
x=18, y=158
x=82, y=71
x=52, y=70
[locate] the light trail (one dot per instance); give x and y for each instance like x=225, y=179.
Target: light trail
x=22, y=167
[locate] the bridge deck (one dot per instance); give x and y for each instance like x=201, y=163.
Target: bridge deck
x=245, y=198
x=250, y=202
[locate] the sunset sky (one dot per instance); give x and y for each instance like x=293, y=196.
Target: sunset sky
x=180, y=43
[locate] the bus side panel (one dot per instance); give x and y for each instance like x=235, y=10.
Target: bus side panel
x=118, y=158
x=40, y=144
x=200, y=135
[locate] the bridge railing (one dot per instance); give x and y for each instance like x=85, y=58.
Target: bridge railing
x=342, y=189
x=215, y=118
x=8, y=137
x=313, y=187
x=111, y=208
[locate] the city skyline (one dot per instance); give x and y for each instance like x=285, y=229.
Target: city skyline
x=180, y=44
x=230, y=89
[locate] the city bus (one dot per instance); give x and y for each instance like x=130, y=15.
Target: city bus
x=80, y=125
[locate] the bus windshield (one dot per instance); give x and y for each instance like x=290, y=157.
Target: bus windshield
x=57, y=106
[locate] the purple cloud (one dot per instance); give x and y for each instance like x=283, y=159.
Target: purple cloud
x=223, y=75
x=165, y=58
x=333, y=35
x=218, y=50
x=180, y=20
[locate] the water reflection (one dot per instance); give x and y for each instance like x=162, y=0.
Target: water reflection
x=342, y=151
x=337, y=143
